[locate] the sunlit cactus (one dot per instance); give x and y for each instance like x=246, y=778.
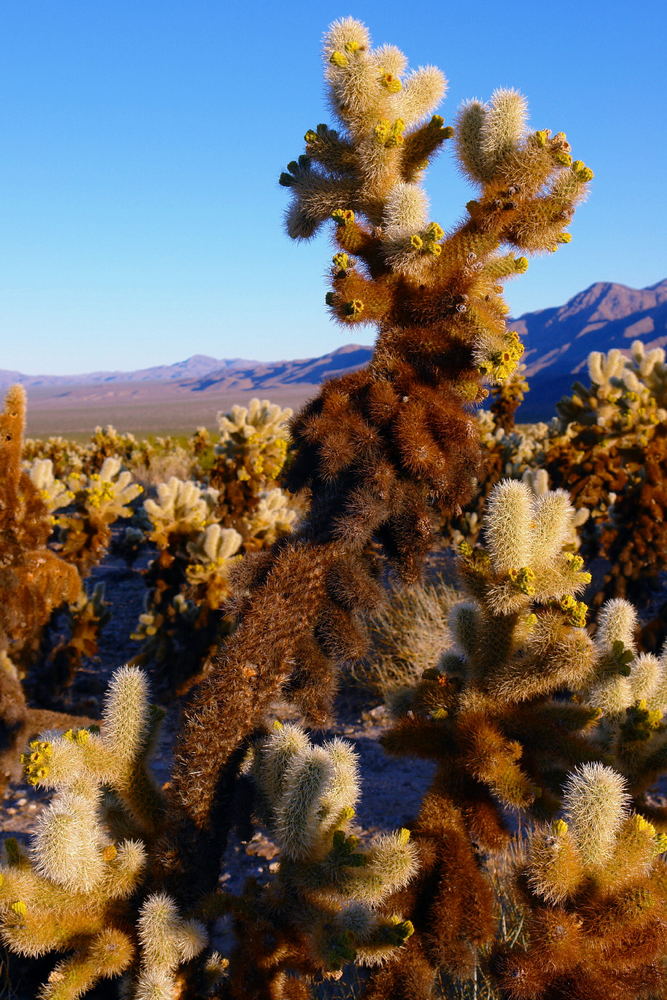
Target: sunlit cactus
x=595, y=887
x=491, y=711
x=379, y=450
x=54, y=492
x=72, y=891
x=254, y=439
x=33, y=580
x=272, y=518
x=322, y=910
x=167, y=940
x=213, y=553
x=181, y=508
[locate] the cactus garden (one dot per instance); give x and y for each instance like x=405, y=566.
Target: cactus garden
x=366, y=701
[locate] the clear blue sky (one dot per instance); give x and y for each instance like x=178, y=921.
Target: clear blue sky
x=142, y=140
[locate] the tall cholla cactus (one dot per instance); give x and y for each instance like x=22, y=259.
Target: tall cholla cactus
x=596, y=891
x=487, y=714
x=322, y=909
x=72, y=891
x=378, y=449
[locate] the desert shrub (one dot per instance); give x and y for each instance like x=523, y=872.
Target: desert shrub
x=408, y=634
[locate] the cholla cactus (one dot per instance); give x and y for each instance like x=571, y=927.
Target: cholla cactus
x=324, y=907
x=254, y=439
x=181, y=509
x=610, y=452
x=213, y=552
x=73, y=890
x=54, y=492
x=379, y=449
x=626, y=393
x=66, y=456
x=98, y=500
x=506, y=398
x=272, y=518
x=84, y=617
x=167, y=940
x=630, y=688
x=33, y=580
x=487, y=713
x=595, y=887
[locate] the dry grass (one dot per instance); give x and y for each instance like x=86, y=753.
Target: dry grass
x=409, y=635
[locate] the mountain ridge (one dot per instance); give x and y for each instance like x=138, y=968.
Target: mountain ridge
x=558, y=340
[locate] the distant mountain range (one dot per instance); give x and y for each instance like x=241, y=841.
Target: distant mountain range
x=558, y=341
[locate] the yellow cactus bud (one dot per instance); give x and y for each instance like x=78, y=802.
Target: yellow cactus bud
x=339, y=59
x=69, y=735
x=661, y=843
x=403, y=835
x=343, y=216
x=583, y=172
x=353, y=308
x=81, y=736
x=643, y=825
x=435, y=231
x=565, y=238
x=19, y=908
x=110, y=852
x=310, y=136
x=563, y=158
x=520, y=265
x=559, y=828
x=277, y=724
x=353, y=46
x=435, y=249
x=541, y=137
x=523, y=578
x=390, y=82
x=341, y=261
x=381, y=130
x=416, y=241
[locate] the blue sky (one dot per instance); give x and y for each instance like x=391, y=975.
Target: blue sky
x=142, y=142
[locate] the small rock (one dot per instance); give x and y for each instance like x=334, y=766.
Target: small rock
x=21, y=802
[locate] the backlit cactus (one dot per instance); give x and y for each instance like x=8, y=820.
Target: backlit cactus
x=491, y=713
x=595, y=886
x=73, y=890
x=33, y=579
x=323, y=908
x=378, y=450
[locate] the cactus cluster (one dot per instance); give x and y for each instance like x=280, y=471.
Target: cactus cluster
x=201, y=531
x=33, y=580
x=522, y=698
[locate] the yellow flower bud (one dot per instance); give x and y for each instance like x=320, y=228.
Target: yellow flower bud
x=391, y=82
x=338, y=59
